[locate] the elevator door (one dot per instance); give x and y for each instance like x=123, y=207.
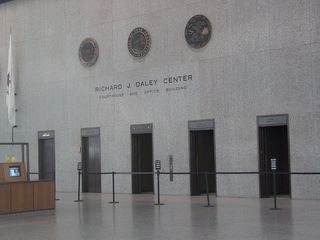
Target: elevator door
x=91, y=162
x=46, y=159
x=273, y=143
x=142, y=161
x=202, y=160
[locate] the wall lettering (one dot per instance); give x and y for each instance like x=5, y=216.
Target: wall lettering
x=166, y=84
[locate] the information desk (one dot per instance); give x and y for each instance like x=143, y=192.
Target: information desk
x=26, y=196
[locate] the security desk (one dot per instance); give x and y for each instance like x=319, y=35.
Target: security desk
x=26, y=196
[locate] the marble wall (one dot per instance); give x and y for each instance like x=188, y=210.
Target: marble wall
x=263, y=59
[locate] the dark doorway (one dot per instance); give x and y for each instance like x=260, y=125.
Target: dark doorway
x=202, y=159
x=142, y=161
x=91, y=160
x=273, y=143
x=46, y=149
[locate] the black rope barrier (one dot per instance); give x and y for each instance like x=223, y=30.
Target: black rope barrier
x=158, y=173
x=206, y=174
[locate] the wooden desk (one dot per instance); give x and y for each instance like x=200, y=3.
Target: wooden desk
x=22, y=197
x=26, y=196
x=5, y=198
x=44, y=195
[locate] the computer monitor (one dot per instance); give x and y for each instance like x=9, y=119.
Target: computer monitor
x=14, y=171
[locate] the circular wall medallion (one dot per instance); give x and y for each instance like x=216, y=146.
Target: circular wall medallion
x=88, y=52
x=198, y=31
x=139, y=42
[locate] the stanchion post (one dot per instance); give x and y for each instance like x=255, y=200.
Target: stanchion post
x=274, y=179
x=274, y=189
x=79, y=178
x=207, y=189
x=113, y=190
x=157, y=165
x=158, y=188
x=55, y=192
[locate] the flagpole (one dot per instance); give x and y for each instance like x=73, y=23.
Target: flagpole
x=12, y=128
x=10, y=98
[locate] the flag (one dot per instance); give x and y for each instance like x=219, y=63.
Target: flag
x=10, y=98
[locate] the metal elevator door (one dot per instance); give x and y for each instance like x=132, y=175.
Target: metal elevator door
x=91, y=162
x=273, y=143
x=142, y=161
x=202, y=160
x=46, y=159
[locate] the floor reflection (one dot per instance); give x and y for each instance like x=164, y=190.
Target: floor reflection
x=182, y=217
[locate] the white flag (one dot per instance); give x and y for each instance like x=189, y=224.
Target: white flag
x=10, y=99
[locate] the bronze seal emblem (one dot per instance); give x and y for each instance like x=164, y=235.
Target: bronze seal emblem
x=139, y=42
x=88, y=52
x=198, y=31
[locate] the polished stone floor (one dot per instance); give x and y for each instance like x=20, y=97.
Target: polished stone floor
x=182, y=217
